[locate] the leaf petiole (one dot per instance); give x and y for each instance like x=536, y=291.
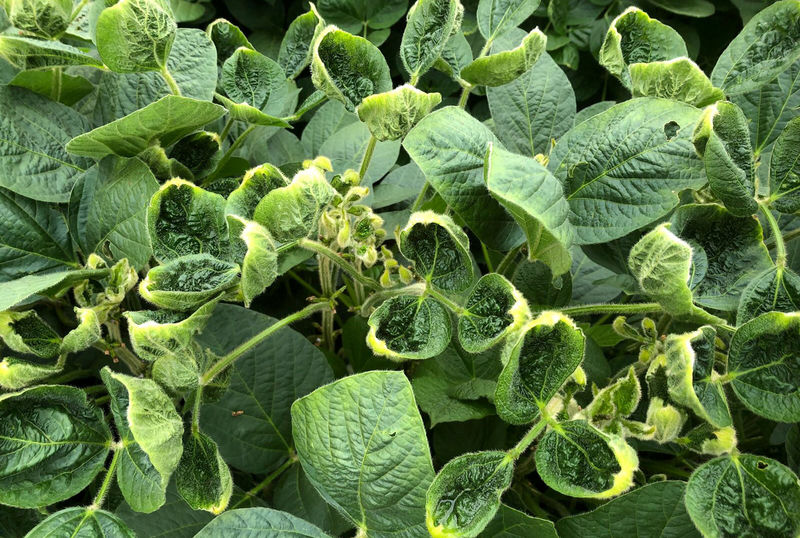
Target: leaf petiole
x=337, y=259
x=528, y=438
x=108, y=479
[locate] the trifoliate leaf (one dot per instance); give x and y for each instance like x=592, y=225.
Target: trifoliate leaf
x=429, y=25
x=390, y=115
x=762, y=361
x=679, y=79
x=202, y=477
x=409, y=327
x=465, y=495
x=579, y=460
x=55, y=443
x=494, y=309
x=537, y=364
x=439, y=250
x=503, y=67
x=744, y=495
x=187, y=282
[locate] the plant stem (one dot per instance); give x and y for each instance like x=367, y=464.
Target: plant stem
x=173, y=86
x=326, y=283
x=413, y=289
x=420, y=197
x=462, y=101
x=414, y=79
x=449, y=303
x=780, y=246
x=225, y=130
x=198, y=400
x=107, y=480
x=788, y=236
x=589, y=309
x=336, y=258
x=487, y=258
x=55, y=91
x=528, y=439
x=246, y=346
x=228, y=154
x=362, y=171
x=267, y=481
x=509, y=259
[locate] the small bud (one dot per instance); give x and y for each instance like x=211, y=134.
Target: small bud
x=406, y=277
x=667, y=420
x=386, y=279
x=343, y=237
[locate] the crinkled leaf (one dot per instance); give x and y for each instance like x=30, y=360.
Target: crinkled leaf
x=187, y=282
x=679, y=79
x=409, y=327
x=775, y=290
x=295, y=52
x=362, y=444
x=500, y=68
x=203, y=478
x=390, y=115
x=28, y=53
x=255, y=185
x=26, y=332
x=494, y=309
x=135, y=35
x=429, y=25
x=227, y=37
x=249, y=77
x=48, y=19
x=784, y=169
x=260, y=261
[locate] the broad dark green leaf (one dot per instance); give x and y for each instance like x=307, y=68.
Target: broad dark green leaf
x=346, y=148
x=258, y=523
x=429, y=25
x=353, y=15
x=775, y=290
x=766, y=46
x=263, y=385
x=54, y=442
x=652, y=510
x=296, y=495
x=450, y=147
x=744, y=495
x=409, y=327
x=511, y=523
x=203, y=478
x=77, y=522
x=494, y=309
x=362, y=443
x=33, y=132
x=622, y=168
x=498, y=16
x=175, y=518
x=784, y=170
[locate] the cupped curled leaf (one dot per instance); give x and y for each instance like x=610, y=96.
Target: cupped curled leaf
x=409, y=327
x=722, y=139
x=390, y=115
x=506, y=66
x=44, y=18
x=150, y=431
x=614, y=403
x=691, y=379
x=764, y=365
x=249, y=79
x=136, y=35
x=255, y=185
x=26, y=332
x=260, y=260
x=465, y=495
x=227, y=38
x=494, y=309
x=429, y=25
x=679, y=79
x=16, y=374
x=81, y=522
x=784, y=169
x=202, y=477
x=295, y=50
x=578, y=460
x=199, y=152
x=535, y=198
x=54, y=444
x=185, y=219
x=439, y=249
x=348, y=68
x=187, y=282
x=744, y=495
x=634, y=37
x=537, y=364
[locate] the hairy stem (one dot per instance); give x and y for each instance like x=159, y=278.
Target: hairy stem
x=225, y=130
x=107, y=480
x=462, y=101
x=198, y=400
x=380, y=296
x=337, y=259
x=449, y=303
x=362, y=171
x=55, y=91
x=589, y=309
x=246, y=346
x=326, y=283
x=173, y=86
x=528, y=439
x=780, y=245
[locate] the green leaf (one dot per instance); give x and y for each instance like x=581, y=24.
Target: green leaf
x=202, y=477
x=362, y=444
x=655, y=509
x=292, y=212
x=494, y=309
x=165, y=122
x=784, y=170
x=731, y=247
x=55, y=443
x=456, y=386
x=26, y=332
x=498, y=16
x=722, y=139
x=135, y=35
x=68, y=90
x=184, y=219
x=150, y=430
x=260, y=262
x=187, y=282
x=354, y=15
x=450, y=147
x=534, y=109
x=227, y=37
x=537, y=364
x=16, y=291
x=579, y=460
x=329, y=119
x=691, y=379
x=263, y=385
x=390, y=115
x=511, y=523
x=465, y=495
x=47, y=19
x=614, y=402
x=756, y=56
x=535, y=198
x=634, y=37
x=107, y=210
x=174, y=519
x=348, y=68
x=775, y=290
x=456, y=54
x=250, y=77
x=679, y=79
x=35, y=238
x=296, y=495
x=744, y=495
x=763, y=361
x=689, y=8
x=439, y=250
x=537, y=284
x=661, y=263
x=409, y=327
x=622, y=168
x=259, y=522
x=503, y=67
x=346, y=149
x=28, y=53
x=33, y=131
x=295, y=52
x=16, y=374
x=429, y=25
x=82, y=523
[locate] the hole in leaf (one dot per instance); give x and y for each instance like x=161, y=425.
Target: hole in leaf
x=762, y=465
x=671, y=129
